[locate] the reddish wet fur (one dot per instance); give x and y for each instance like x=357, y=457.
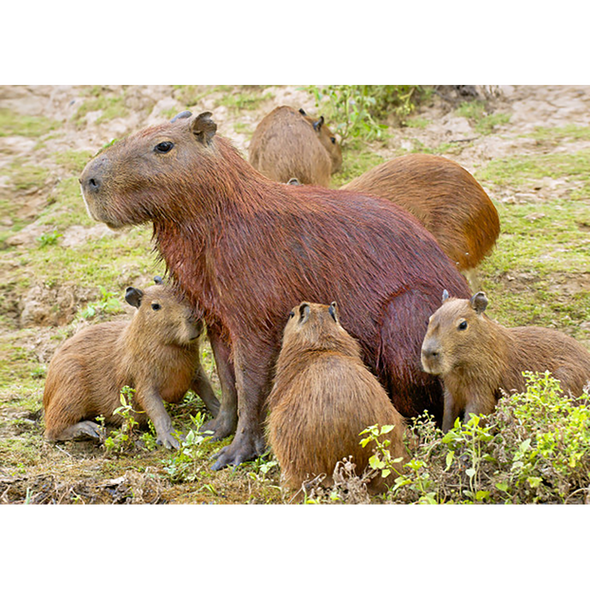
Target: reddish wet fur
x=245, y=250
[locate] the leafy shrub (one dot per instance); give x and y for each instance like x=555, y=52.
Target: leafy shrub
x=358, y=111
x=122, y=439
x=535, y=448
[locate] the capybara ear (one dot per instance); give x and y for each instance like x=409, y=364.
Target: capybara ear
x=333, y=310
x=479, y=302
x=204, y=128
x=318, y=124
x=183, y=115
x=445, y=295
x=133, y=296
x=158, y=280
x=304, y=311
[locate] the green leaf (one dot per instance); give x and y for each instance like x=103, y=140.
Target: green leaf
x=449, y=459
x=470, y=472
x=502, y=486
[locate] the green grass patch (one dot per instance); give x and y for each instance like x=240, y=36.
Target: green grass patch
x=26, y=176
x=557, y=134
x=12, y=123
x=73, y=161
x=476, y=112
x=111, y=107
x=240, y=99
x=356, y=159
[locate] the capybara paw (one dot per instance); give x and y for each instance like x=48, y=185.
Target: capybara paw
x=221, y=427
x=237, y=452
x=170, y=440
x=81, y=431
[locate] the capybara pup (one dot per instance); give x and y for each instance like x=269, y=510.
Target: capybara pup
x=476, y=357
x=289, y=143
x=444, y=197
x=157, y=353
x=244, y=250
x=323, y=397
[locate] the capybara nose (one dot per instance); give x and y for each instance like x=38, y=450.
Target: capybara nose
x=92, y=176
x=429, y=353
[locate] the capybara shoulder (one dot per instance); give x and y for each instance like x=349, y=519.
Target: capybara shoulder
x=323, y=397
x=288, y=143
x=157, y=353
x=478, y=358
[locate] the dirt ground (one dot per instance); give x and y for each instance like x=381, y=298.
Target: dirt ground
x=37, y=312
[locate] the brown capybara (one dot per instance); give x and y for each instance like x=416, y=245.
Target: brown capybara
x=245, y=250
x=444, y=197
x=323, y=398
x=476, y=357
x=289, y=143
x=157, y=353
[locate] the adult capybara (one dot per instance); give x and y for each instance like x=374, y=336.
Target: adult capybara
x=477, y=357
x=289, y=143
x=156, y=353
x=245, y=249
x=444, y=197
x=323, y=398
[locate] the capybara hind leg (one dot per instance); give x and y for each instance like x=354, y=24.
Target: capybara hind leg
x=82, y=430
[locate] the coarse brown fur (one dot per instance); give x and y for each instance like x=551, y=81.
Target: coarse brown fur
x=245, y=250
x=323, y=398
x=477, y=358
x=289, y=143
x=156, y=353
x=444, y=197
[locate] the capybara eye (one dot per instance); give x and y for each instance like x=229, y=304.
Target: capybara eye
x=156, y=306
x=463, y=325
x=164, y=147
x=333, y=139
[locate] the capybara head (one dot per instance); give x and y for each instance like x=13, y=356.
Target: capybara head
x=327, y=139
x=162, y=316
x=456, y=331
x=151, y=164
x=316, y=326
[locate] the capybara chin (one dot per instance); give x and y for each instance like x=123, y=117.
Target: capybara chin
x=323, y=398
x=444, y=197
x=478, y=358
x=244, y=250
x=157, y=353
x=289, y=143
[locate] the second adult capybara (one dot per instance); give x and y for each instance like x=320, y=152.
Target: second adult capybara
x=157, y=353
x=288, y=143
x=323, y=398
x=245, y=250
x=444, y=197
x=478, y=358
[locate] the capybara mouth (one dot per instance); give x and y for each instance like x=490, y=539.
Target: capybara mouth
x=433, y=368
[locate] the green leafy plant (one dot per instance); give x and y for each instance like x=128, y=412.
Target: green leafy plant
x=358, y=111
x=122, y=439
x=108, y=304
x=48, y=239
x=534, y=448
x=185, y=465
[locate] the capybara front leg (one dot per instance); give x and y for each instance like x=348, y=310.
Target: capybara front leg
x=202, y=386
x=253, y=384
x=151, y=402
x=451, y=411
x=226, y=420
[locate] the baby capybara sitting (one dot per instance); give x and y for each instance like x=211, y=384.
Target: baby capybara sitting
x=157, y=353
x=323, y=397
x=476, y=357
x=288, y=143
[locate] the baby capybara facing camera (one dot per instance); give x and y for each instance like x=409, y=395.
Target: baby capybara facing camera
x=477, y=358
x=323, y=397
x=157, y=353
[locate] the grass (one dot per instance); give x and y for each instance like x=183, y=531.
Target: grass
x=13, y=123
x=484, y=123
